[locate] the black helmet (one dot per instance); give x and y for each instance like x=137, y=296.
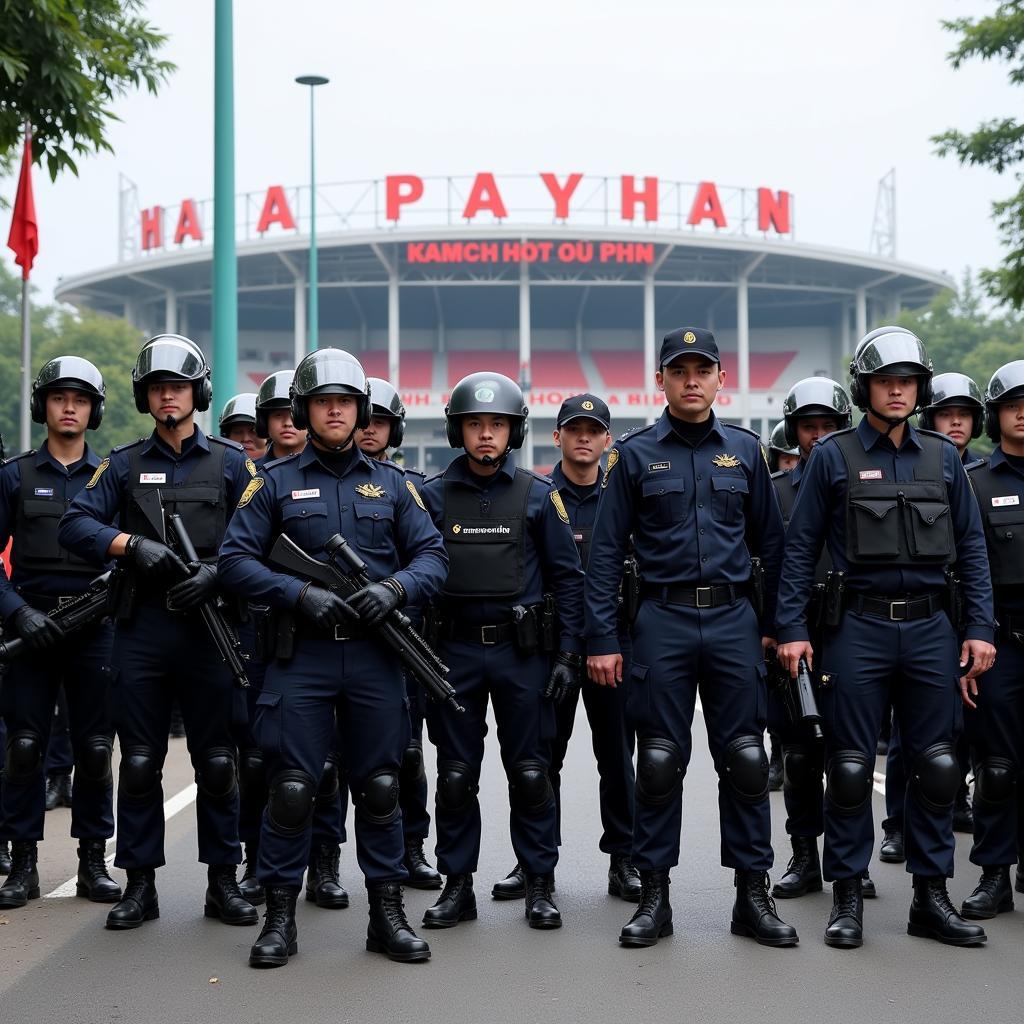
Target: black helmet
x=1006, y=385
x=778, y=445
x=69, y=372
x=954, y=389
x=486, y=392
x=273, y=394
x=172, y=357
x=329, y=371
x=815, y=396
x=894, y=351
x=384, y=401
x=240, y=409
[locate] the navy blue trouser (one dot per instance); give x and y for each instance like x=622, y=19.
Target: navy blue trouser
x=804, y=795
x=872, y=663
x=31, y=684
x=677, y=651
x=352, y=686
x=159, y=655
x=515, y=683
x=413, y=793
x=60, y=755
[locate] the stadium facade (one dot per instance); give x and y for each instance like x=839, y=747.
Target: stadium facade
x=564, y=282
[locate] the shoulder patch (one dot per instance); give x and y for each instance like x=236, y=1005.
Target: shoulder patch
x=100, y=470
x=556, y=500
x=128, y=444
x=411, y=488
x=251, y=466
x=613, y=458
x=251, y=488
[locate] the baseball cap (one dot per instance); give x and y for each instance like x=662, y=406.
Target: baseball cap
x=588, y=406
x=688, y=341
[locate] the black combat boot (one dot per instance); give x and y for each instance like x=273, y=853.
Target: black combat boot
x=456, y=903
x=846, y=922
x=653, y=918
x=776, y=773
x=224, y=901
x=389, y=931
x=892, y=850
x=754, y=915
x=94, y=881
x=803, y=874
x=139, y=902
x=867, y=887
x=1018, y=878
x=992, y=896
x=624, y=879
x=249, y=886
x=65, y=794
x=322, y=885
x=52, y=792
x=541, y=911
x=422, y=875
x=5, y=857
x=932, y=916
x=963, y=813
x=22, y=882
x=278, y=937
x=512, y=886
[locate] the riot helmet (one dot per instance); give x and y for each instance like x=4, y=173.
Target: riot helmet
x=815, y=396
x=1006, y=385
x=894, y=352
x=385, y=402
x=273, y=394
x=172, y=357
x=69, y=372
x=954, y=389
x=779, y=445
x=329, y=371
x=240, y=409
x=486, y=392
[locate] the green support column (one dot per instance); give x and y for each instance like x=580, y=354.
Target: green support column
x=313, y=317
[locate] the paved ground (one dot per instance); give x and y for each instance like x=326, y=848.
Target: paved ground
x=57, y=963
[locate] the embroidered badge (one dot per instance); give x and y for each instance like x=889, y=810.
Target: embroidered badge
x=370, y=490
x=613, y=457
x=152, y=478
x=689, y=338
x=100, y=470
x=251, y=466
x=251, y=488
x=870, y=474
x=411, y=488
x=556, y=500
x=1009, y=499
x=588, y=405
x=657, y=467
x=310, y=492
x=724, y=461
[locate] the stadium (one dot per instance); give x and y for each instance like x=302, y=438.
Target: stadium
x=565, y=282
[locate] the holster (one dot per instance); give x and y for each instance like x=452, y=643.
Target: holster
x=527, y=632
x=629, y=593
x=122, y=595
x=278, y=634
x=955, y=601
x=549, y=625
x=835, y=588
x=816, y=608
x=757, y=587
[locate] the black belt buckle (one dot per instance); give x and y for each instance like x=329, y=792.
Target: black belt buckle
x=341, y=635
x=710, y=592
x=489, y=639
x=893, y=605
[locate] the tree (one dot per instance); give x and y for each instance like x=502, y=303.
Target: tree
x=62, y=64
x=999, y=143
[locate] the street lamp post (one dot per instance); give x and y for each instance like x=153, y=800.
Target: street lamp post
x=313, y=316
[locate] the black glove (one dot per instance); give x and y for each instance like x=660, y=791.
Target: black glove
x=564, y=678
x=374, y=602
x=39, y=631
x=325, y=608
x=152, y=558
x=199, y=587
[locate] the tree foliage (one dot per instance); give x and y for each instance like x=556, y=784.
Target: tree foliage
x=62, y=64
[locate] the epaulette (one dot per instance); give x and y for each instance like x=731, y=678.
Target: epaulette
x=435, y=476
x=935, y=433
x=389, y=464
x=781, y=473
x=976, y=464
x=746, y=430
x=20, y=455
x=536, y=476
x=634, y=432
x=225, y=441
x=128, y=444
x=414, y=472
x=277, y=462
x=834, y=434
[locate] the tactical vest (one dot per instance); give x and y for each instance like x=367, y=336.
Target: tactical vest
x=40, y=507
x=786, y=492
x=201, y=501
x=486, y=539
x=1003, y=522
x=896, y=523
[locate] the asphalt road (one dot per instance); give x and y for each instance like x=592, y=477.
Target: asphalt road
x=58, y=963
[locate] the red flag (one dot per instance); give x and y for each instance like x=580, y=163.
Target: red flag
x=24, y=236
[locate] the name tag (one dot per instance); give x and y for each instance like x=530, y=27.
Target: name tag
x=870, y=474
x=44, y=492
x=655, y=467
x=152, y=478
x=1009, y=499
x=311, y=492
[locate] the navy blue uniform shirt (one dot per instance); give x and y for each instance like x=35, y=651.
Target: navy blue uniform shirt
x=67, y=481
x=581, y=504
x=93, y=520
x=819, y=516
x=697, y=516
x=371, y=504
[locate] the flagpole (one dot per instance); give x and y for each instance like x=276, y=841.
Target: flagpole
x=26, y=365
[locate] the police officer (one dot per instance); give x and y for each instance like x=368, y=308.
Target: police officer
x=998, y=696
x=386, y=430
x=35, y=489
x=894, y=507
x=782, y=455
x=508, y=538
x=161, y=646
x=330, y=488
x=274, y=417
x=697, y=496
x=238, y=423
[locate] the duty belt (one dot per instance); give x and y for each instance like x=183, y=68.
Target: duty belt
x=695, y=597
x=500, y=633
x=345, y=631
x=895, y=609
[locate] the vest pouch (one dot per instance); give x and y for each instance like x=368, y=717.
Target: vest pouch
x=875, y=523
x=198, y=507
x=663, y=499
x=930, y=530
x=1004, y=531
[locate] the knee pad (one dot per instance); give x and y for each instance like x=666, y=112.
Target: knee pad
x=93, y=761
x=377, y=799
x=327, y=790
x=801, y=765
x=412, y=765
x=659, y=771
x=456, y=785
x=848, y=780
x=140, y=773
x=215, y=775
x=290, y=802
x=936, y=777
x=995, y=780
x=529, y=787
x=24, y=755
x=252, y=776
x=745, y=767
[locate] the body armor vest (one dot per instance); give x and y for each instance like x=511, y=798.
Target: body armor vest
x=896, y=523
x=786, y=494
x=35, y=526
x=1003, y=522
x=486, y=539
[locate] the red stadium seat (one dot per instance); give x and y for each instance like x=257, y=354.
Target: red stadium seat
x=557, y=370
x=460, y=364
x=620, y=369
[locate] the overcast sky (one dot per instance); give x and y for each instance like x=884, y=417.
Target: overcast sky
x=820, y=97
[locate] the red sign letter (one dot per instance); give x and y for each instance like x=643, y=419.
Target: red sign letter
x=630, y=197
x=188, y=223
x=707, y=206
x=561, y=193
x=152, y=224
x=400, y=189
x=275, y=211
x=772, y=211
x=484, y=195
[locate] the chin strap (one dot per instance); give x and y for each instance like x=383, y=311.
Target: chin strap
x=487, y=460
x=314, y=436
x=170, y=422
x=893, y=421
